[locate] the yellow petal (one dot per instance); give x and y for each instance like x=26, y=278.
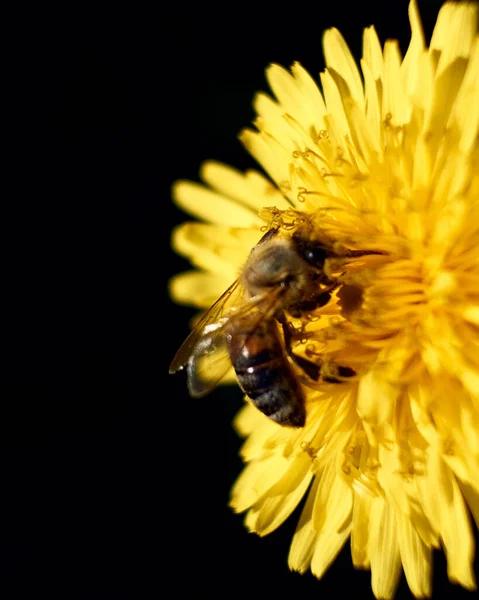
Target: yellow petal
x=330, y=518
x=280, y=501
x=335, y=107
x=384, y=551
x=444, y=93
x=328, y=546
x=333, y=500
x=471, y=496
x=363, y=134
x=376, y=399
x=313, y=101
x=395, y=104
x=197, y=288
x=455, y=526
x=409, y=69
x=390, y=476
x=372, y=53
x=454, y=32
x=421, y=94
x=274, y=121
x=416, y=558
x=255, y=480
x=247, y=420
x=251, y=189
x=286, y=90
x=422, y=171
x=219, y=250
x=339, y=57
x=269, y=153
x=459, y=544
x=362, y=507
x=304, y=539
x=465, y=111
x=373, y=101
x=212, y=207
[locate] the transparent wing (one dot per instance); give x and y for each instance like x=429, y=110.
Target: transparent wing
x=209, y=322
x=215, y=317
x=210, y=359
x=208, y=364
x=205, y=352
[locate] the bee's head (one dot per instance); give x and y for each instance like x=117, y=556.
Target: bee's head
x=313, y=252
x=272, y=263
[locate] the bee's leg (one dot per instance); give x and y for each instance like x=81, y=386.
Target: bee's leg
x=306, y=306
x=311, y=369
x=354, y=253
x=343, y=372
x=270, y=234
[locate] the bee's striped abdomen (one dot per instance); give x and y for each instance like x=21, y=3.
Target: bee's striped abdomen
x=265, y=374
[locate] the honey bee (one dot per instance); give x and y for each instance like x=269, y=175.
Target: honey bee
x=283, y=275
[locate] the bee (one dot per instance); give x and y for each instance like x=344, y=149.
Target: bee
x=283, y=275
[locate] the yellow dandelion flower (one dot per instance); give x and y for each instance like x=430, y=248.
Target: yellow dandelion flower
x=382, y=160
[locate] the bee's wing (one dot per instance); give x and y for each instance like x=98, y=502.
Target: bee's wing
x=205, y=352
x=232, y=297
x=208, y=364
x=210, y=321
x=210, y=358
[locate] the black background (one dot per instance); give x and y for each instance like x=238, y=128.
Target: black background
x=113, y=483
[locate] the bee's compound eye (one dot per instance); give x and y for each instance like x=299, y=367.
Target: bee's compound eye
x=315, y=256
x=312, y=251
